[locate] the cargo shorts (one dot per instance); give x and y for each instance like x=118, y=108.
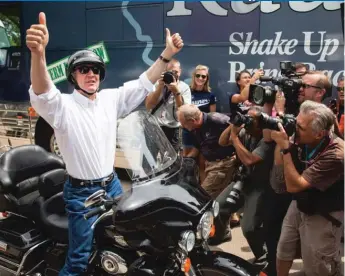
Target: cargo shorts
x=316, y=237
x=219, y=174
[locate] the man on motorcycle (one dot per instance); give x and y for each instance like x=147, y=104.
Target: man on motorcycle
x=84, y=123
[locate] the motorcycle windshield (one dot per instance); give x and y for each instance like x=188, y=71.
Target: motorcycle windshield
x=142, y=147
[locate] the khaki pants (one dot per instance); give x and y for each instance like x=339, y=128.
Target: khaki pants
x=318, y=238
x=218, y=175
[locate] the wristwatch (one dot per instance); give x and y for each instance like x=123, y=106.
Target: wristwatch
x=178, y=94
x=286, y=151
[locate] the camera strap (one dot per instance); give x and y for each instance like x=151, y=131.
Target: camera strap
x=165, y=97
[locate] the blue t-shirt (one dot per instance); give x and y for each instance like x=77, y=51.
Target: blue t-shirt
x=203, y=100
x=236, y=107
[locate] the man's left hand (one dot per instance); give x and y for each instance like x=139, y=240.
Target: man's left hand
x=174, y=43
x=236, y=130
x=173, y=88
x=280, y=137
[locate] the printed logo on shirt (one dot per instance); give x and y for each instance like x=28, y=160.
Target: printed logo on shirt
x=201, y=102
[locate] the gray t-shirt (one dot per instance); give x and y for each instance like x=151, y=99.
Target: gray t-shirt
x=259, y=174
x=166, y=113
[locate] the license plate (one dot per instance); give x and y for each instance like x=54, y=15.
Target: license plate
x=3, y=246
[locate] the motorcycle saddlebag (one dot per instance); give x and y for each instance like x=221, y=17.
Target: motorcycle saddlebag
x=17, y=234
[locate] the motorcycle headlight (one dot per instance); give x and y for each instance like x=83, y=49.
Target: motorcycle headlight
x=187, y=241
x=205, y=225
x=215, y=208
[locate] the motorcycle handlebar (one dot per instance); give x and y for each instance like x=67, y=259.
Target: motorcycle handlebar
x=94, y=212
x=108, y=204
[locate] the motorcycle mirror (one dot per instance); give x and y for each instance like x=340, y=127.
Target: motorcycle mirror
x=94, y=198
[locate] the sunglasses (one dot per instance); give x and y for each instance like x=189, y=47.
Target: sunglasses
x=304, y=85
x=86, y=69
x=200, y=76
x=339, y=89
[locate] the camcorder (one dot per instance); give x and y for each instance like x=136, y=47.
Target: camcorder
x=288, y=121
x=290, y=83
x=169, y=77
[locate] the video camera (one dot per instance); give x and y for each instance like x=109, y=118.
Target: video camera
x=290, y=83
x=288, y=121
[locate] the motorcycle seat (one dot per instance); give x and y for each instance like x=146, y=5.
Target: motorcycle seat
x=52, y=214
x=20, y=169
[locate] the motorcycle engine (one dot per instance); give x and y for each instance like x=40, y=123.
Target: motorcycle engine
x=112, y=263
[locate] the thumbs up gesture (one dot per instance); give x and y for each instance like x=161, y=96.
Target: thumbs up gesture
x=174, y=43
x=37, y=36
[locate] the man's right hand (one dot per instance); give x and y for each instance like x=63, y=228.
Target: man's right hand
x=37, y=36
x=161, y=82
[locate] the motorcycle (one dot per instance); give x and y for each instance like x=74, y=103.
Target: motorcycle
x=159, y=227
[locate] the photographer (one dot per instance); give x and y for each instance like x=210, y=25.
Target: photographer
x=257, y=155
x=240, y=98
x=170, y=94
x=314, y=88
x=314, y=173
x=220, y=165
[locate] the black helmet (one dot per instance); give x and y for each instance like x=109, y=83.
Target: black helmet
x=84, y=57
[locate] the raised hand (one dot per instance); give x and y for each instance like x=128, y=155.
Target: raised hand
x=37, y=36
x=174, y=43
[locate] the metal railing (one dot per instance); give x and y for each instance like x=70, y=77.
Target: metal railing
x=17, y=125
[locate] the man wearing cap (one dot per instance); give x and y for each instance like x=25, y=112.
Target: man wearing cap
x=84, y=123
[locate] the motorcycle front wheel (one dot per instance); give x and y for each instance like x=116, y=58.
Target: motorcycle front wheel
x=217, y=263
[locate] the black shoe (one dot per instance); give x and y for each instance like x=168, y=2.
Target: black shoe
x=217, y=241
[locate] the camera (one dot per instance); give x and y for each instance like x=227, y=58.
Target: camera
x=169, y=77
x=288, y=121
x=231, y=198
x=238, y=119
x=290, y=83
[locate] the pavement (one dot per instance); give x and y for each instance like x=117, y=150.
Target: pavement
x=239, y=246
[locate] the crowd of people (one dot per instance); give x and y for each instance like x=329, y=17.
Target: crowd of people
x=285, y=176
x=293, y=186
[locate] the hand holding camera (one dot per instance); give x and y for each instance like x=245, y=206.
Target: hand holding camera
x=170, y=80
x=281, y=137
x=235, y=130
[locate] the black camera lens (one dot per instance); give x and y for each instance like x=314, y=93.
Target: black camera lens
x=267, y=122
x=261, y=94
x=239, y=119
x=288, y=122
x=169, y=77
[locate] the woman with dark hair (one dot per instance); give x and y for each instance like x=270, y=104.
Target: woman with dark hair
x=238, y=100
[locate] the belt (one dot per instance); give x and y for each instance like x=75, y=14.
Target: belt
x=82, y=183
x=225, y=158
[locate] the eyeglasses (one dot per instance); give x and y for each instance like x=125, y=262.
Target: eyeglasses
x=86, y=69
x=304, y=85
x=200, y=76
x=339, y=89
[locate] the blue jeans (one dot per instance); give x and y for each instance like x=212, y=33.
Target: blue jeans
x=80, y=234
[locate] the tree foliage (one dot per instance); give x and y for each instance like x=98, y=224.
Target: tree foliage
x=12, y=27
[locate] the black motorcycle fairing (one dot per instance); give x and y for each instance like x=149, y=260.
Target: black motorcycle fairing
x=147, y=200
x=232, y=265
x=144, y=209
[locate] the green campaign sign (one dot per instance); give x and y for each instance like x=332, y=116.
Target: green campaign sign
x=57, y=70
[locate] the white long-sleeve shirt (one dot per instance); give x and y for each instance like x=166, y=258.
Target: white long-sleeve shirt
x=85, y=130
